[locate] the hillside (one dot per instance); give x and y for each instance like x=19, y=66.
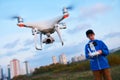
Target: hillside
x=73, y=71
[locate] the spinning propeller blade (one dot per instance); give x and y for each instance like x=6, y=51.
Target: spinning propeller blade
x=14, y=17
x=71, y=7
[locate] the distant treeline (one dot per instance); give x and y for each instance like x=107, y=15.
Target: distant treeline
x=58, y=68
x=114, y=60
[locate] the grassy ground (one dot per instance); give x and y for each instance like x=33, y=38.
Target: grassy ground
x=87, y=75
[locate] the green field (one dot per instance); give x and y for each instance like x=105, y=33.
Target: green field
x=73, y=71
x=87, y=75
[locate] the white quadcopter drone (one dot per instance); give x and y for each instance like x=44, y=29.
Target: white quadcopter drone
x=46, y=28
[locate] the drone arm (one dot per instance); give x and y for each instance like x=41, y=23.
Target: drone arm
x=62, y=26
x=65, y=14
x=58, y=32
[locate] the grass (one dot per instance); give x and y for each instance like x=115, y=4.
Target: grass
x=85, y=75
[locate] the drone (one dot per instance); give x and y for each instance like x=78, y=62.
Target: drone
x=45, y=28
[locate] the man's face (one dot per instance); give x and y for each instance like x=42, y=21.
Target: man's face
x=91, y=36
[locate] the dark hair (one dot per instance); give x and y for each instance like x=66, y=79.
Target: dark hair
x=90, y=31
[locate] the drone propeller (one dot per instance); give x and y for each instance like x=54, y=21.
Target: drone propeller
x=14, y=17
x=19, y=19
x=71, y=7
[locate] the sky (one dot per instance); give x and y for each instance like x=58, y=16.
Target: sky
x=103, y=16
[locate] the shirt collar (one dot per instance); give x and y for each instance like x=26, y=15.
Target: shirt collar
x=92, y=40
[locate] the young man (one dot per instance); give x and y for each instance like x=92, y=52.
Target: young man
x=96, y=51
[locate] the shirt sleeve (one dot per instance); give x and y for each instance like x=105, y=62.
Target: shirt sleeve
x=104, y=48
x=86, y=52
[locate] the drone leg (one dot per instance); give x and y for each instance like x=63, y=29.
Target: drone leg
x=58, y=32
x=41, y=40
x=33, y=32
x=35, y=39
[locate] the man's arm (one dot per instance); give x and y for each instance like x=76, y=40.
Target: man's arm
x=104, y=49
x=86, y=52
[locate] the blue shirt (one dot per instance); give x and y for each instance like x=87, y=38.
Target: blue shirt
x=98, y=62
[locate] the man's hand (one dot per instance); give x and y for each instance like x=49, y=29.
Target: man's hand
x=95, y=53
x=100, y=51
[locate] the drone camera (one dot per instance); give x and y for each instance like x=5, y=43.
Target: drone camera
x=48, y=40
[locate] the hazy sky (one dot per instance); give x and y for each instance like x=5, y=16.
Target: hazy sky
x=103, y=16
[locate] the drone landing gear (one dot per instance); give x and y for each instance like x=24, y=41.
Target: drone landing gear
x=58, y=32
x=35, y=32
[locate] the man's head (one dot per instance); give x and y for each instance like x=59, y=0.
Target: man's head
x=90, y=34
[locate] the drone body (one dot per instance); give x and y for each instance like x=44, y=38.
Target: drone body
x=47, y=28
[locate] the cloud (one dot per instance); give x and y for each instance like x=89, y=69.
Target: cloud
x=28, y=42
x=112, y=39
x=79, y=28
x=94, y=10
x=84, y=26
x=112, y=34
x=23, y=49
x=17, y=47
x=113, y=42
x=22, y=56
x=11, y=44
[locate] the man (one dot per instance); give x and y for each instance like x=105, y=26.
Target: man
x=96, y=51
